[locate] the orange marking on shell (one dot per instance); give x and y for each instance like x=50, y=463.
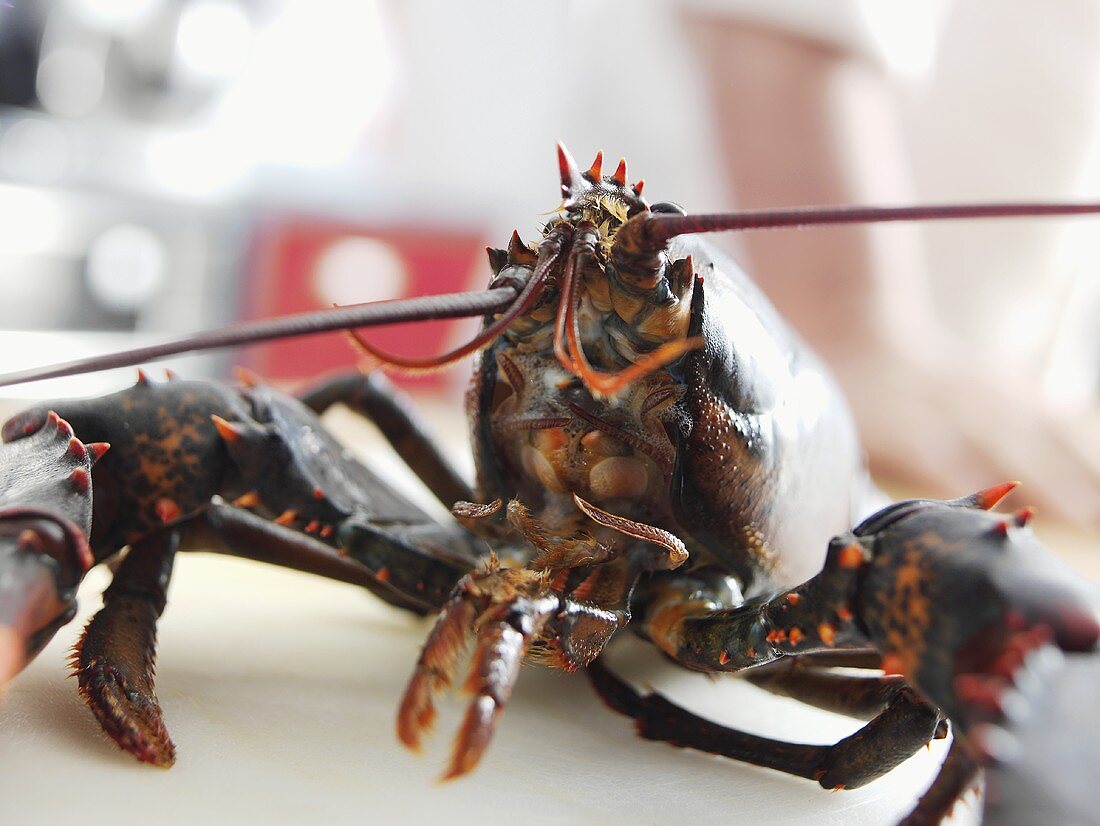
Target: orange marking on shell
x=246, y=377
x=893, y=664
x=248, y=500
x=851, y=556
x=313, y=526
x=723, y=658
x=844, y=613
x=30, y=540
x=776, y=635
x=827, y=633
x=326, y=531
x=287, y=517
x=318, y=493
x=793, y=598
x=751, y=651
x=796, y=635
x=383, y=575
x=167, y=510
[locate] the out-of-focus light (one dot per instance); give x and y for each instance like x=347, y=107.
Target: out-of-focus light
x=126, y=266
x=34, y=149
x=32, y=222
x=196, y=164
x=70, y=81
x=359, y=269
x=317, y=75
x=906, y=33
x=212, y=38
x=115, y=16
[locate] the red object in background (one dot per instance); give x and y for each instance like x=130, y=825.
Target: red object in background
x=297, y=264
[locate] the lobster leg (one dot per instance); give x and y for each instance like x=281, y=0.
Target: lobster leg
x=229, y=530
x=697, y=620
x=861, y=696
x=114, y=660
x=373, y=396
x=906, y=724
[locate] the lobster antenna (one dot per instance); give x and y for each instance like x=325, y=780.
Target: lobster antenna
x=550, y=251
x=369, y=314
x=653, y=231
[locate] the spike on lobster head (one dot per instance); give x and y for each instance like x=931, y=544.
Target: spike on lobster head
x=595, y=197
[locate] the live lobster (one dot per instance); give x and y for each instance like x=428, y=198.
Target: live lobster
x=653, y=446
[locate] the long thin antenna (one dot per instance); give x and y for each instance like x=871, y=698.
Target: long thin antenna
x=658, y=229
x=372, y=314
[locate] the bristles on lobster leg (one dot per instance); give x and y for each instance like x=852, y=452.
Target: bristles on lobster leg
x=115, y=659
x=502, y=643
x=435, y=670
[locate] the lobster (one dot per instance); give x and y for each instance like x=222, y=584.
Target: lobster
x=654, y=448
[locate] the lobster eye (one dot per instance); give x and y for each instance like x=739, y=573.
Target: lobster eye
x=668, y=207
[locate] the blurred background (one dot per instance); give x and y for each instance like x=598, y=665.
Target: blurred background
x=170, y=165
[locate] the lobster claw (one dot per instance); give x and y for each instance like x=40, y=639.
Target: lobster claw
x=45, y=522
x=972, y=609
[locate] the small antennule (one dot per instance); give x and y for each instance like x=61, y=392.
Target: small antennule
x=620, y=173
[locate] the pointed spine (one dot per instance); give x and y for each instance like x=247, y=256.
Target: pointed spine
x=97, y=449
x=595, y=172
x=619, y=176
x=567, y=167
